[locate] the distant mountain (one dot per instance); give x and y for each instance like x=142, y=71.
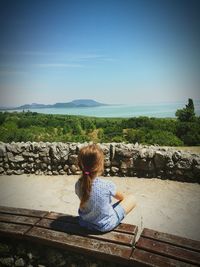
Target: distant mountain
x=87, y=103
x=73, y=104
x=33, y=105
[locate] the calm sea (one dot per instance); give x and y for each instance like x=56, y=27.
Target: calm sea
x=161, y=110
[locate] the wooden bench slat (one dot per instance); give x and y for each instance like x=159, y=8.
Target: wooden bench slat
x=116, y=237
x=80, y=244
x=18, y=219
x=13, y=229
x=124, y=228
x=168, y=250
x=145, y=258
x=172, y=239
x=20, y=211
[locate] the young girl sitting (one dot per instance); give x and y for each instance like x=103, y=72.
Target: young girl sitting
x=96, y=211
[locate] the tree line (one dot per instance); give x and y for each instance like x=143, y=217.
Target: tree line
x=33, y=126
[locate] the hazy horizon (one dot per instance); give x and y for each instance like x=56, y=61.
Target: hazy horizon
x=182, y=102
x=115, y=52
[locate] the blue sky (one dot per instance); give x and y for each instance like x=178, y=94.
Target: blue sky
x=113, y=51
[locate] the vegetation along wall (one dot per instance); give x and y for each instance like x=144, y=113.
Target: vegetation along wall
x=120, y=160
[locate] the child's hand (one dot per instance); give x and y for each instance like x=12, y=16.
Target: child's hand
x=119, y=196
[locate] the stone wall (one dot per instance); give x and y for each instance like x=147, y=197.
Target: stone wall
x=120, y=160
x=21, y=253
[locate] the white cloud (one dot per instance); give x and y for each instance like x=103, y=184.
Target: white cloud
x=87, y=56
x=60, y=55
x=57, y=65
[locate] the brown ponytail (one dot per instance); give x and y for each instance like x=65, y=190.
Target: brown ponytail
x=91, y=162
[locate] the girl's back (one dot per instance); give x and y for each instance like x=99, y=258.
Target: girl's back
x=98, y=212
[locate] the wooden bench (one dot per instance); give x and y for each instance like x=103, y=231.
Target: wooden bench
x=63, y=231
x=160, y=249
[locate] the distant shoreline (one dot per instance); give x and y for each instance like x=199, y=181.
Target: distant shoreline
x=114, y=111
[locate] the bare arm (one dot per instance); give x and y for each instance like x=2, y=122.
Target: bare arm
x=119, y=196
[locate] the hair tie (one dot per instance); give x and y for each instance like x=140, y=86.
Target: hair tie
x=87, y=173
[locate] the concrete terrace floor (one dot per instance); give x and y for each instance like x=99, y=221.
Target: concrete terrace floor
x=163, y=205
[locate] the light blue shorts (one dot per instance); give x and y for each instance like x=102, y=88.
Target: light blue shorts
x=119, y=211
